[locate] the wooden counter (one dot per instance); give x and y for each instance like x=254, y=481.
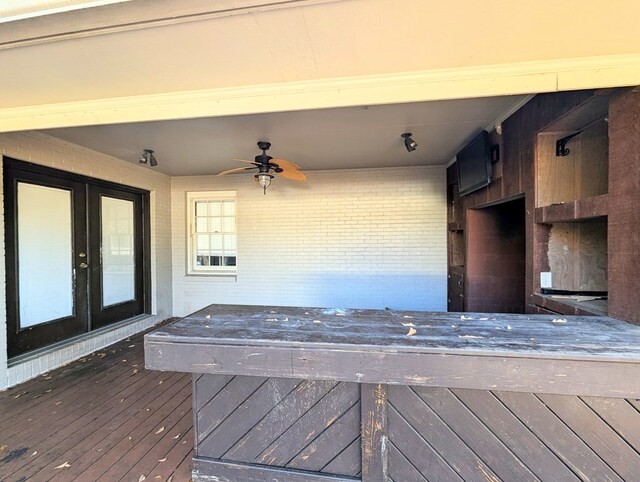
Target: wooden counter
x=301, y=394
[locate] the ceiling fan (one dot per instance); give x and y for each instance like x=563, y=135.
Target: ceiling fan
x=266, y=165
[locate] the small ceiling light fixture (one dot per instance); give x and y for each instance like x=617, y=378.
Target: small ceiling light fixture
x=409, y=143
x=264, y=179
x=147, y=157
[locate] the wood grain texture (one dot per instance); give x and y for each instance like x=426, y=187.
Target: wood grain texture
x=595, y=356
x=208, y=470
x=374, y=432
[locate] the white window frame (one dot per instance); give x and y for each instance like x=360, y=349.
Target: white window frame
x=192, y=266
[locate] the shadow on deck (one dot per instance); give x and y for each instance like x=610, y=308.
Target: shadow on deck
x=102, y=418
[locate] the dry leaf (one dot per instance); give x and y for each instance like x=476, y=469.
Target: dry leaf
x=170, y=479
x=317, y=321
x=34, y=453
x=163, y=460
x=272, y=319
x=306, y=312
x=466, y=317
x=208, y=316
x=340, y=314
x=508, y=327
x=160, y=430
x=158, y=477
x=408, y=324
x=66, y=465
x=160, y=382
x=58, y=402
x=3, y=447
x=135, y=370
x=558, y=320
x=142, y=478
x=469, y=336
x=484, y=319
x=177, y=437
x=412, y=331
x=407, y=316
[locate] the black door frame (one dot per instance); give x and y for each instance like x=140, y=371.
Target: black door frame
x=28, y=339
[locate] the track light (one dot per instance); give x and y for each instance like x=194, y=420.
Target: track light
x=409, y=143
x=147, y=157
x=264, y=179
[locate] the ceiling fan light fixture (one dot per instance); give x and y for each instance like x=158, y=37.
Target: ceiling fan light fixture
x=409, y=143
x=264, y=179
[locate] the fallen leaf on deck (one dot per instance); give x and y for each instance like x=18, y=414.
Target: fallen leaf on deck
x=484, y=319
x=3, y=447
x=177, y=436
x=466, y=317
x=558, y=320
x=135, y=370
x=208, y=316
x=66, y=465
x=142, y=478
x=412, y=331
x=163, y=460
x=272, y=319
x=469, y=336
x=158, y=477
x=407, y=316
x=47, y=391
x=286, y=319
x=160, y=430
x=130, y=437
x=34, y=453
x=58, y=402
x=18, y=395
x=317, y=321
x=160, y=382
x=340, y=314
x=306, y=312
x=170, y=479
x=408, y=324
x=508, y=327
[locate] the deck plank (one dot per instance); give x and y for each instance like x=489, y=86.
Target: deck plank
x=103, y=400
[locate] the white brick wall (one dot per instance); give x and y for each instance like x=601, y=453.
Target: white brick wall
x=42, y=149
x=369, y=238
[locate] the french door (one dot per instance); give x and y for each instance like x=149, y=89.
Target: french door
x=76, y=251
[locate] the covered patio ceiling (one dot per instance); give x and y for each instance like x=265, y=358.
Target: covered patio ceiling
x=141, y=60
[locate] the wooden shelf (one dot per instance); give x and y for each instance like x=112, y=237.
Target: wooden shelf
x=570, y=211
x=569, y=307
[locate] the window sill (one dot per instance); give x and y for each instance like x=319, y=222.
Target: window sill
x=230, y=274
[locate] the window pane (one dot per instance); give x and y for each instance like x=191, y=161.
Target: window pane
x=216, y=242
x=230, y=243
x=202, y=242
x=229, y=260
x=214, y=208
x=118, y=261
x=229, y=224
x=202, y=208
x=215, y=225
x=229, y=208
x=201, y=224
x=45, y=279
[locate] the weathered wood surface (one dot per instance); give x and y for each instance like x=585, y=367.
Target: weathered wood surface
x=99, y=415
x=325, y=431
x=585, y=338
x=594, y=356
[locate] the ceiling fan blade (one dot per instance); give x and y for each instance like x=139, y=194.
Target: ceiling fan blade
x=237, y=169
x=289, y=170
x=244, y=160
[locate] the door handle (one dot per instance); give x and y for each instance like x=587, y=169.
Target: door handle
x=83, y=265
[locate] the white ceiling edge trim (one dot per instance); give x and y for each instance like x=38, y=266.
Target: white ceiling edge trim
x=430, y=85
x=42, y=8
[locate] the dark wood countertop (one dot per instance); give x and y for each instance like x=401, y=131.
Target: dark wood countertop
x=469, y=350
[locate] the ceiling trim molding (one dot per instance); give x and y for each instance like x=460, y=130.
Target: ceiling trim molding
x=128, y=15
x=430, y=85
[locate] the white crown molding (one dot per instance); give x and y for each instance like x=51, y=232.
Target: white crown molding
x=430, y=85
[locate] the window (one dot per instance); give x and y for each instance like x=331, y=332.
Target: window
x=212, y=232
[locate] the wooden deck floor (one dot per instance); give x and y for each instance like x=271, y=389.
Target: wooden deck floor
x=103, y=418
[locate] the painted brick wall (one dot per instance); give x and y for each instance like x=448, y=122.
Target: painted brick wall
x=42, y=149
x=370, y=238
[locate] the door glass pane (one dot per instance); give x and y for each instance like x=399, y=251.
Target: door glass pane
x=118, y=260
x=45, y=278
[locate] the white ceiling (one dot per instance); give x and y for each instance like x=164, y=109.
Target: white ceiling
x=352, y=137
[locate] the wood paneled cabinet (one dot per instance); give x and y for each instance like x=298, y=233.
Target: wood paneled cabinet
x=575, y=159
